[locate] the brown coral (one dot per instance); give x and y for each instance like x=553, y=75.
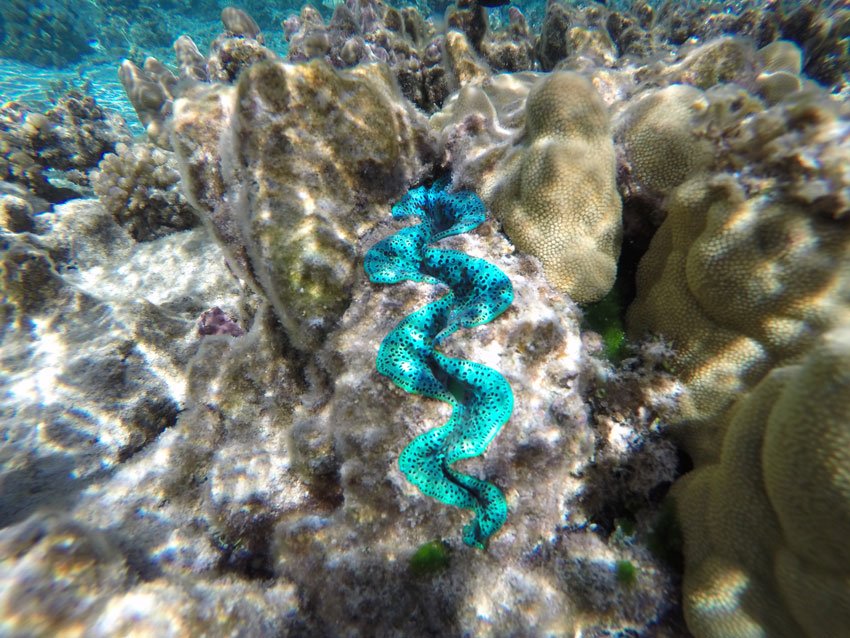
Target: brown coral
x=138, y=184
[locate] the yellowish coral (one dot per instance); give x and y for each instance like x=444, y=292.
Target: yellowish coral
x=462, y=59
x=740, y=285
x=555, y=191
x=782, y=64
x=766, y=548
x=781, y=55
x=661, y=139
x=749, y=277
x=719, y=61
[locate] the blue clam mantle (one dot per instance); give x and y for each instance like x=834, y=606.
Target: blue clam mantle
x=480, y=397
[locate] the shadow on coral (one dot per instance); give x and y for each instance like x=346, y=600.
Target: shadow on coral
x=44, y=482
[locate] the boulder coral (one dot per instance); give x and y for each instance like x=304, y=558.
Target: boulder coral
x=539, y=153
x=766, y=548
x=777, y=260
x=661, y=138
x=748, y=277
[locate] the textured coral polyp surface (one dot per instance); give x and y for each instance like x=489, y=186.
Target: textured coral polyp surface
x=766, y=549
x=747, y=276
x=555, y=192
x=775, y=259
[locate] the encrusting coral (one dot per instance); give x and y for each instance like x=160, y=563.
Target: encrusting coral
x=480, y=397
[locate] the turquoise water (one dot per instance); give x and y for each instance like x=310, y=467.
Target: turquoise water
x=85, y=42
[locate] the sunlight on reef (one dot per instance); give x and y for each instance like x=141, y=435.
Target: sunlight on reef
x=196, y=436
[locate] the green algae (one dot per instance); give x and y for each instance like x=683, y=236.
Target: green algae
x=430, y=558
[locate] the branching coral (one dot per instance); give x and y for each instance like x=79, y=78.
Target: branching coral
x=69, y=138
x=480, y=397
x=138, y=185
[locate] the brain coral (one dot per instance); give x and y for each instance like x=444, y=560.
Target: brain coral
x=766, y=549
x=555, y=191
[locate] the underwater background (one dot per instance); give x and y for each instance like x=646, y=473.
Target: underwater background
x=361, y=318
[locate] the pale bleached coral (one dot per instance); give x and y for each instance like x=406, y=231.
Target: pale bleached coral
x=288, y=167
x=150, y=91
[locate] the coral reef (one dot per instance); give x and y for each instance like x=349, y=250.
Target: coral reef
x=766, y=547
x=428, y=64
x=328, y=160
x=746, y=275
x=371, y=31
x=545, y=166
x=138, y=184
x=639, y=31
x=271, y=500
x=60, y=144
x=172, y=468
x=45, y=33
x=480, y=397
x=535, y=460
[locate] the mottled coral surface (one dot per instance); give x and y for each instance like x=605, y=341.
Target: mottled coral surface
x=197, y=440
